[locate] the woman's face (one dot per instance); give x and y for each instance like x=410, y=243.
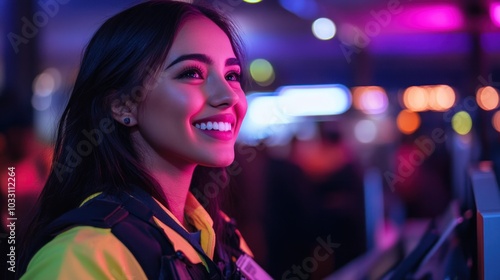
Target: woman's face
x=194, y=112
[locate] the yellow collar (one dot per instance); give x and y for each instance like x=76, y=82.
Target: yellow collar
x=197, y=216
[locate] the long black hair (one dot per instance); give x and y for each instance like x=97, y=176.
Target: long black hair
x=94, y=153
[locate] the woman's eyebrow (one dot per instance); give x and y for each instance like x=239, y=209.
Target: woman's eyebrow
x=233, y=61
x=193, y=56
x=202, y=58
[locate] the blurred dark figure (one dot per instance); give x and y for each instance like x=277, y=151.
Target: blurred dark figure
x=315, y=211
x=421, y=176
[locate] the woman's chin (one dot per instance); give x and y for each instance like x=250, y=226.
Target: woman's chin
x=218, y=162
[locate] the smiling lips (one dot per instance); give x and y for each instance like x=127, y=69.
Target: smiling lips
x=218, y=126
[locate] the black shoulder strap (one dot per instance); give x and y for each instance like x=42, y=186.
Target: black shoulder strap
x=140, y=199
x=96, y=213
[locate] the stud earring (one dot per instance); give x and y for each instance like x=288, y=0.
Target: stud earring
x=126, y=120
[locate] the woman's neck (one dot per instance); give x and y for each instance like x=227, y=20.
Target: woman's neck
x=175, y=188
x=173, y=175
x=174, y=183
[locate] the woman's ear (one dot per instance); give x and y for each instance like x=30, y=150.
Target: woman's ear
x=124, y=110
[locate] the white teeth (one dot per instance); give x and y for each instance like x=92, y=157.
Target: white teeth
x=220, y=126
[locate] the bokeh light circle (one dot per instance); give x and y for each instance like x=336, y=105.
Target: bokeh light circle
x=370, y=99
x=408, y=121
x=442, y=96
x=487, y=98
x=44, y=84
x=365, y=131
x=416, y=98
x=461, y=123
x=496, y=121
x=262, y=71
x=324, y=29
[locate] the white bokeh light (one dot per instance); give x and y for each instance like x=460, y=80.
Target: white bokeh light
x=314, y=100
x=365, y=131
x=324, y=29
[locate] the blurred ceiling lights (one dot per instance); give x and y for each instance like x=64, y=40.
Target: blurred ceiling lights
x=423, y=98
x=314, y=100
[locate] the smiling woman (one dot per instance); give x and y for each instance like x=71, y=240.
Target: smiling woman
x=165, y=79
x=200, y=85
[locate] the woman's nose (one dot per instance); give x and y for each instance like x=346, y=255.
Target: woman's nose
x=221, y=94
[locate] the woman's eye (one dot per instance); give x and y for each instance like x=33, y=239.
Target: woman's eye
x=191, y=74
x=233, y=76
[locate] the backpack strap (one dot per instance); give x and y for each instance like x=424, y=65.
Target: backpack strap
x=141, y=199
x=96, y=213
x=172, y=264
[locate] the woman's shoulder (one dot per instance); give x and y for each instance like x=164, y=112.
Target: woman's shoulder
x=84, y=252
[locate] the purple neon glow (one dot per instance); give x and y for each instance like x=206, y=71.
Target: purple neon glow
x=442, y=17
x=495, y=13
x=424, y=43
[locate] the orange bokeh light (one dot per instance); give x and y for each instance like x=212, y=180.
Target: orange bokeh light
x=416, y=98
x=496, y=121
x=408, y=121
x=487, y=98
x=422, y=98
x=443, y=97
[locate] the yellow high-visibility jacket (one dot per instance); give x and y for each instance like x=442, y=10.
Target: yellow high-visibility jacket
x=85, y=252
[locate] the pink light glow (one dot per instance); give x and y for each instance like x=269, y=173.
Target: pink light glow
x=444, y=17
x=495, y=13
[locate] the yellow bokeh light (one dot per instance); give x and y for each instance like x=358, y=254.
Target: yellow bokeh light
x=262, y=71
x=252, y=1
x=487, y=98
x=496, y=121
x=416, y=98
x=461, y=123
x=408, y=121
